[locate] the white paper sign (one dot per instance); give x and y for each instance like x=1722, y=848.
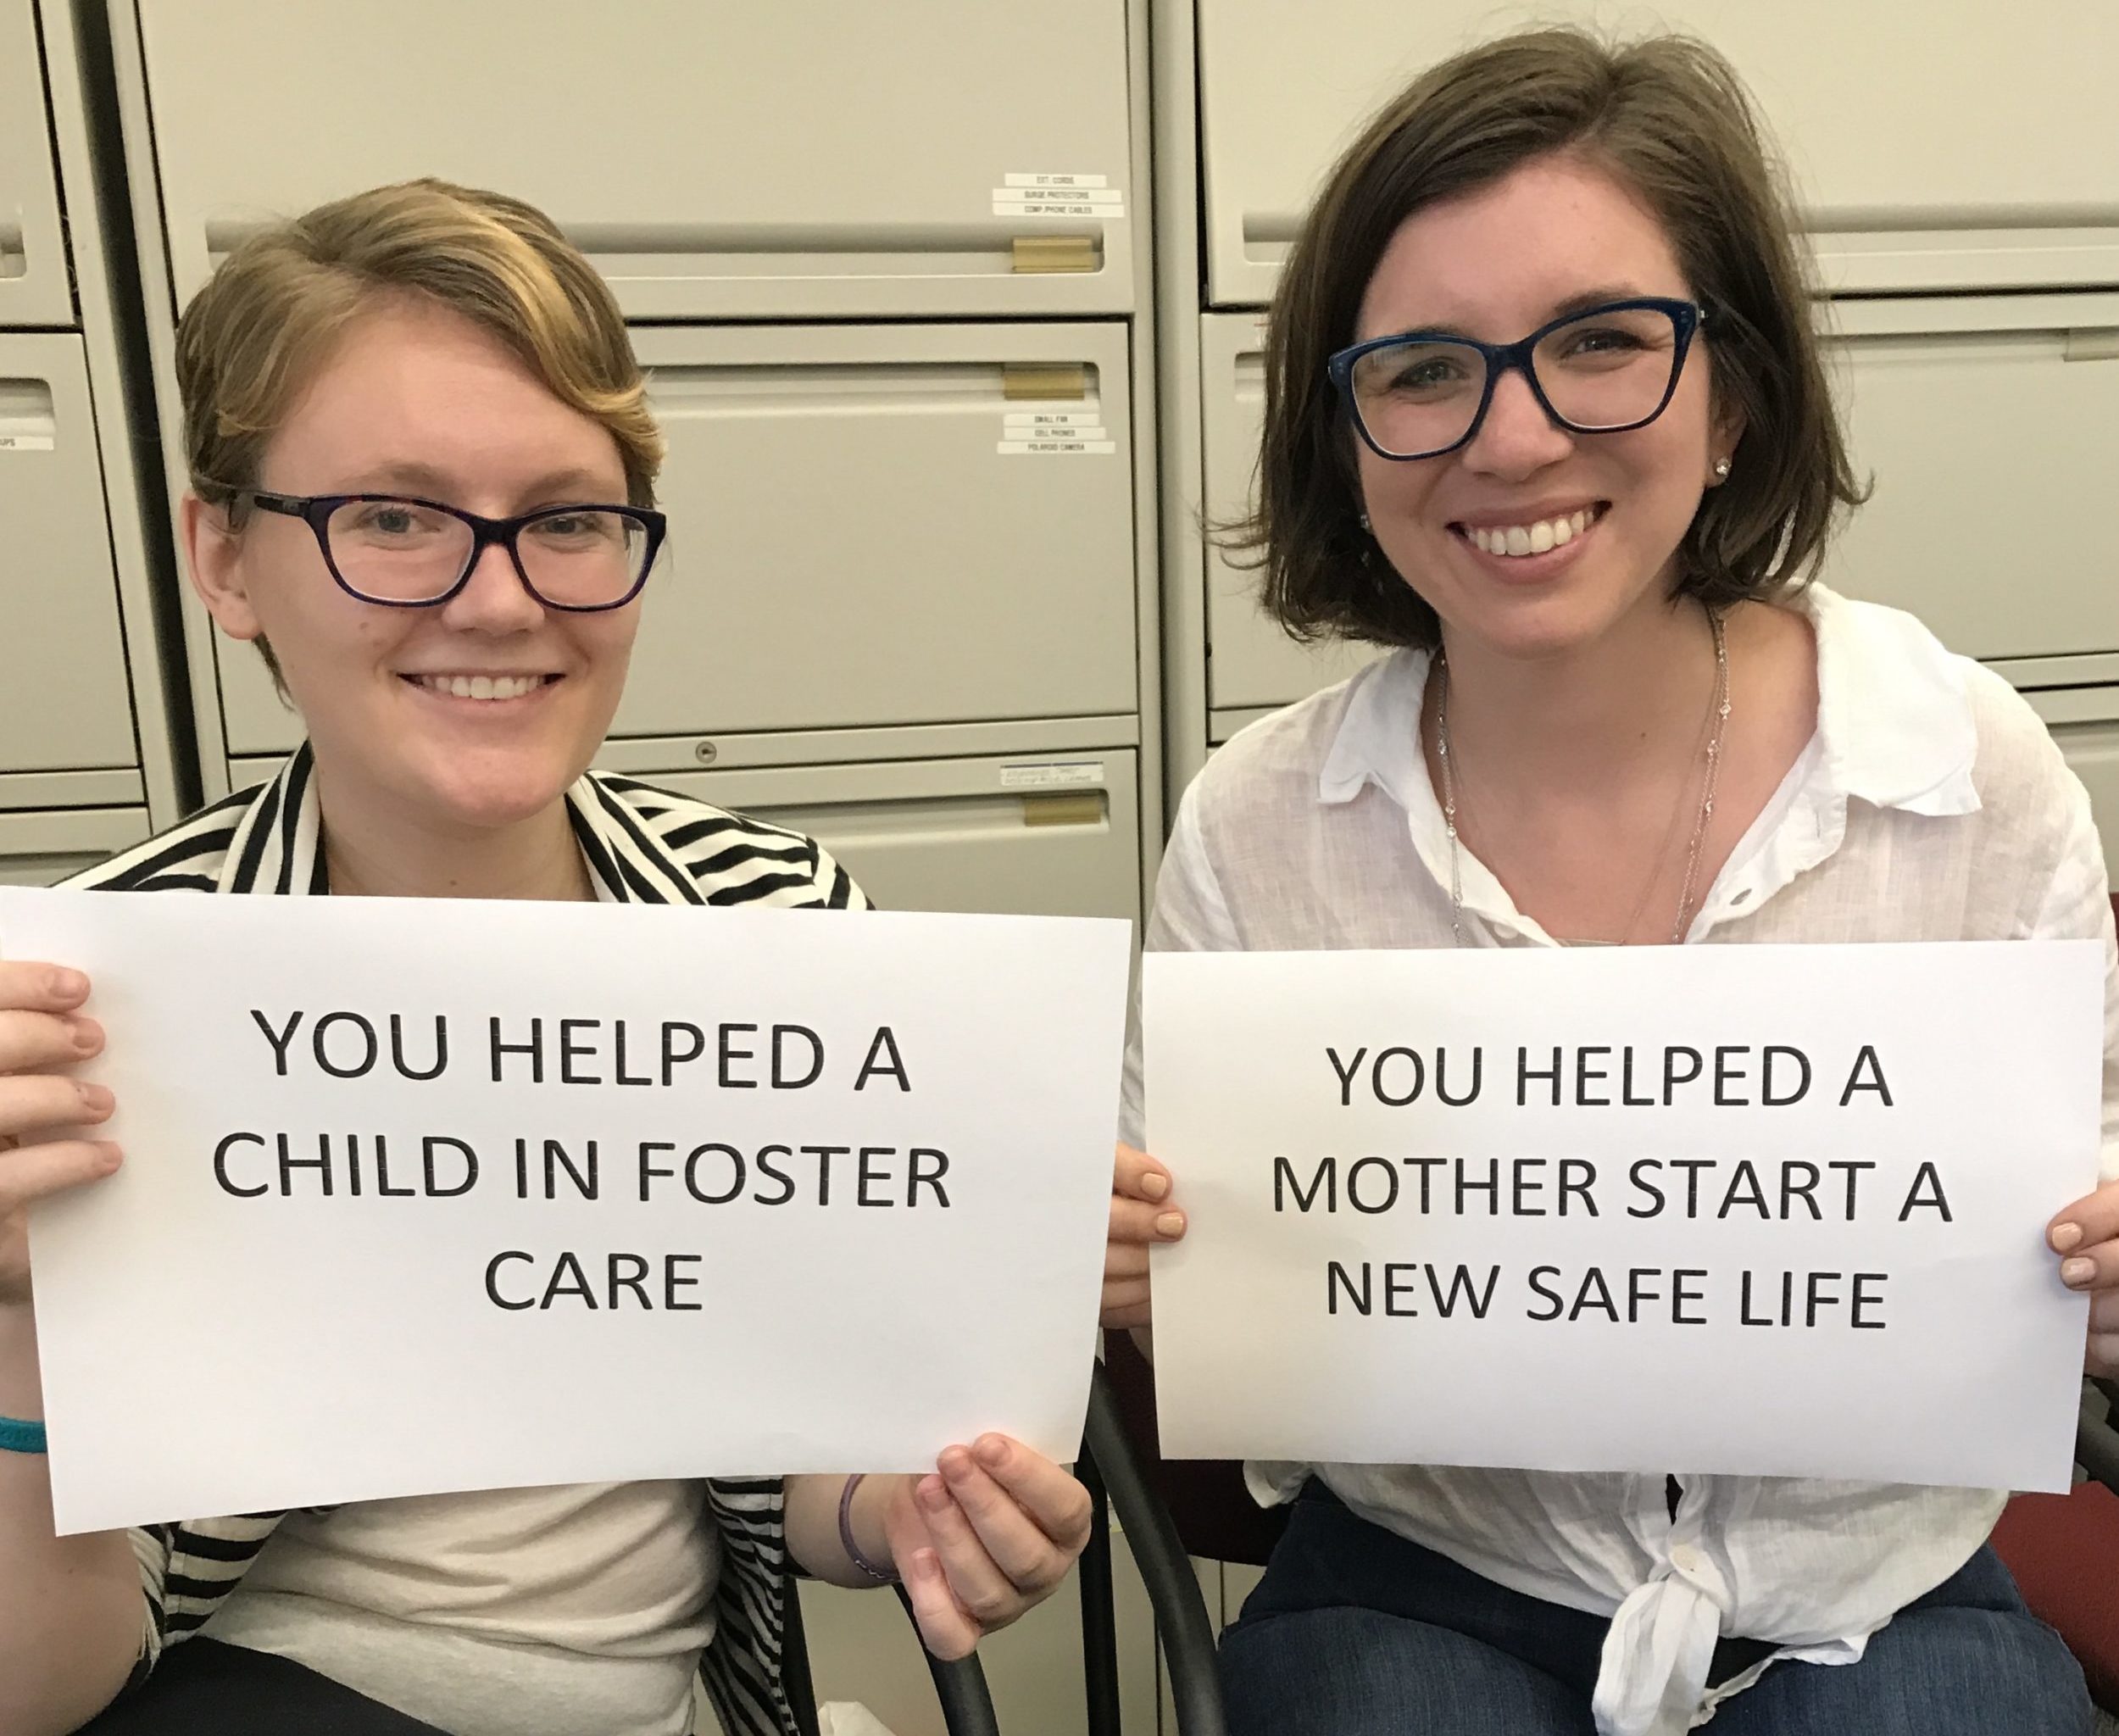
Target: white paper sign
x=688, y=1192
x=1755, y=1210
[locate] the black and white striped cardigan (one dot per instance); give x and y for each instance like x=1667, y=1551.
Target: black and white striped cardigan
x=642, y=845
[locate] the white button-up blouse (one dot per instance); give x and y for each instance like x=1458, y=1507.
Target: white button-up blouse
x=1929, y=804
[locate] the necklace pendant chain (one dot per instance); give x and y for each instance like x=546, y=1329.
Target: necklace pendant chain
x=1713, y=772
x=1449, y=805
x=1718, y=721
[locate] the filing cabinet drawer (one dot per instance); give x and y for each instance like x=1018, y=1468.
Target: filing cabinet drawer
x=715, y=159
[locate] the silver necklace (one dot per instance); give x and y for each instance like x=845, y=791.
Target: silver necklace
x=1718, y=722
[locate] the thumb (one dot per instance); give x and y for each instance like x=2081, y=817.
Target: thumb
x=947, y=1628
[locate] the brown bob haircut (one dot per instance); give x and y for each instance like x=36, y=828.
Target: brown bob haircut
x=1669, y=119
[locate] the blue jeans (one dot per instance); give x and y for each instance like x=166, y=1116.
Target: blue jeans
x=1356, y=1631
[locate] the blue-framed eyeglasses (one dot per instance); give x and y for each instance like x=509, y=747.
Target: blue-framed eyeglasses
x=1420, y=394
x=404, y=552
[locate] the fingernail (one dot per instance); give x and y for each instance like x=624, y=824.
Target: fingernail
x=955, y=1463
x=992, y=1450
x=112, y=1154
x=1171, y=1223
x=934, y=1495
x=87, y=1035
x=2065, y=1237
x=97, y=1097
x=68, y=985
x=2077, y=1272
x=1155, y=1185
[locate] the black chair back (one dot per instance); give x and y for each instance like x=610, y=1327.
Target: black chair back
x=960, y=1685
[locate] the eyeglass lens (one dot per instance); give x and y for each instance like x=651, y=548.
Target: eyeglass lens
x=398, y=551
x=1607, y=369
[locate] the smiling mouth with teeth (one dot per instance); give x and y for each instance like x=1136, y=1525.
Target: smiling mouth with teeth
x=1539, y=538
x=481, y=686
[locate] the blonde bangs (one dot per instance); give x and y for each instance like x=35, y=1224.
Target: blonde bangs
x=253, y=338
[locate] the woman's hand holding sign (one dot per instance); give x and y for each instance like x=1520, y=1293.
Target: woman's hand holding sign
x=2085, y=1237
x=984, y=1538
x=42, y=1033
x=72, y=1604
x=1142, y=1215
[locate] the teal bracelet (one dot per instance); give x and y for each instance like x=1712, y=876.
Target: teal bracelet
x=17, y=1437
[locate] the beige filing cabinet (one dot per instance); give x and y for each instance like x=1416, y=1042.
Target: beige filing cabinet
x=35, y=285
x=2001, y=170
x=1987, y=425
x=859, y=539
x=946, y=158
x=1036, y=833
x=85, y=758
x=61, y=660
x=71, y=788
x=1252, y=665
x=1044, y=834
x=1990, y=427
x=1028, y=833
x=48, y=842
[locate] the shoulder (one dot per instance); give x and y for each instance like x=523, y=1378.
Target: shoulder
x=1285, y=759
x=187, y=857
x=1945, y=739
x=723, y=857
x=1916, y=708
x=2015, y=747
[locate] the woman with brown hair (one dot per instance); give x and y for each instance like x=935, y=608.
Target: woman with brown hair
x=1545, y=414
x=422, y=473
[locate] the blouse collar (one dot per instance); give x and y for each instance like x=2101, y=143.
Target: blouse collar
x=1895, y=729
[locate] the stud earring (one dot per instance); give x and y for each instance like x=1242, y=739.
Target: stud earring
x=1366, y=530
x=1721, y=469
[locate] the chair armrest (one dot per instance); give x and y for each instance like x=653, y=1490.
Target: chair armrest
x=967, y=1707
x=959, y=1683
x=1173, y=1591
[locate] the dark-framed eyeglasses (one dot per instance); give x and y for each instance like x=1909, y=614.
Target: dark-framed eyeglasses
x=1604, y=370
x=404, y=552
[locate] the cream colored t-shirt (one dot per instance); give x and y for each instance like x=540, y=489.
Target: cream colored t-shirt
x=502, y=1613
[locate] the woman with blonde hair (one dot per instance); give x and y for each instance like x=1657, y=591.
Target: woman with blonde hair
x=1545, y=416
x=422, y=474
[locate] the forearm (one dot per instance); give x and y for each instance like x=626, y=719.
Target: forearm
x=812, y=1518
x=70, y=1606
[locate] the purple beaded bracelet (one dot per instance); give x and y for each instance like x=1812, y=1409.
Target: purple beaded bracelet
x=881, y=1575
